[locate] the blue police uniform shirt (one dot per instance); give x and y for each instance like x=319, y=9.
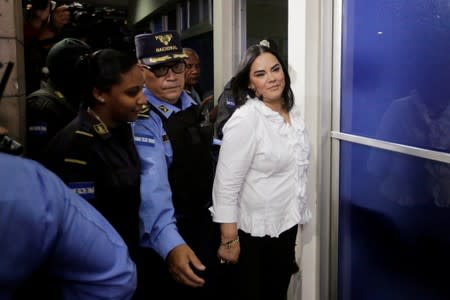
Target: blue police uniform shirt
x=157, y=211
x=42, y=220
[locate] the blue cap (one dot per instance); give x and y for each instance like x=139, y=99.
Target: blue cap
x=158, y=48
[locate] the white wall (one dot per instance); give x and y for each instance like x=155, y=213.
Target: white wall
x=304, y=50
x=12, y=104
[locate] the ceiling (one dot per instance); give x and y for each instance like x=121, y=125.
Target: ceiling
x=112, y=3
x=115, y=3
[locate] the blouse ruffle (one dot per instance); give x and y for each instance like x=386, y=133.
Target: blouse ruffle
x=297, y=142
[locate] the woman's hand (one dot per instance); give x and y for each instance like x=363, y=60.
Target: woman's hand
x=229, y=251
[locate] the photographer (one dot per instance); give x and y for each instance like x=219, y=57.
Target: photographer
x=43, y=21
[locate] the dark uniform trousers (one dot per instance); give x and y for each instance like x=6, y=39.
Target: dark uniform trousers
x=191, y=176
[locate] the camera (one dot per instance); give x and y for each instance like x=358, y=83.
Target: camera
x=100, y=26
x=9, y=145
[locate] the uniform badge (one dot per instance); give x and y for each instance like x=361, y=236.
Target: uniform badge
x=163, y=108
x=101, y=128
x=164, y=38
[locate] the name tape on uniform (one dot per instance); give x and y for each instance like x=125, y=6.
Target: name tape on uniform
x=145, y=140
x=85, y=189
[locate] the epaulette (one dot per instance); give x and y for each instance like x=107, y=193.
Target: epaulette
x=75, y=161
x=144, y=113
x=85, y=133
x=59, y=95
x=82, y=140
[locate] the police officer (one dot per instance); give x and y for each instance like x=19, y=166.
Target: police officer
x=173, y=138
x=95, y=153
x=52, y=107
x=192, y=74
x=225, y=108
x=45, y=226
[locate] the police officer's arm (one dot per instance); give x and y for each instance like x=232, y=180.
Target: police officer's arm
x=38, y=135
x=44, y=221
x=95, y=258
x=158, y=228
x=44, y=121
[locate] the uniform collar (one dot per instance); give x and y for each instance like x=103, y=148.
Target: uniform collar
x=166, y=108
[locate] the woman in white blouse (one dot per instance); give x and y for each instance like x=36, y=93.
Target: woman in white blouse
x=259, y=188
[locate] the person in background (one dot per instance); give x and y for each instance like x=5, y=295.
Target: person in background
x=46, y=226
x=52, y=107
x=191, y=82
x=259, y=194
x=95, y=154
x=192, y=74
x=224, y=109
x=43, y=22
x=174, y=138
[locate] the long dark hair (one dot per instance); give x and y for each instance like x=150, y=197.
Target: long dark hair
x=239, y=83
x=101, y=70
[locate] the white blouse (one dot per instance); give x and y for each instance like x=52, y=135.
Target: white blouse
x=261, y=175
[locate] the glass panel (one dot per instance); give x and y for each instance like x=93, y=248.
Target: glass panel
x=194, y=13
x=172, y=20
x=157, y=24
x=394, y=216
x=275, y=14
x=184, y=16
x=205, y=11
x=396, y=71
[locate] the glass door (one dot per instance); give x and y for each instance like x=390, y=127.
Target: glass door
x=393, y=144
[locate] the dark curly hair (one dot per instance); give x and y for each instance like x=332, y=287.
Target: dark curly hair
x=239, y=83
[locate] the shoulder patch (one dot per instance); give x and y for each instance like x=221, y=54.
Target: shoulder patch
x=39, y=128
x=145, y=140
x=229, y=102
x=85, y=189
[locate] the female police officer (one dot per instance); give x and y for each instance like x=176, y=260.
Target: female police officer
x=95, y=154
